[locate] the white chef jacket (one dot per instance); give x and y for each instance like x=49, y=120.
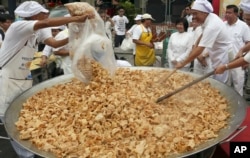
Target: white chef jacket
x=19, y=45
x=240, y=35
x=24, y=29
x=66, y=61
x=179, y=47
x=218, y=43
x=198, y=68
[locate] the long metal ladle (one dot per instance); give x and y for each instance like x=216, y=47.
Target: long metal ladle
x=184, y=87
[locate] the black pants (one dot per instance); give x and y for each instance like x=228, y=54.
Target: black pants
x=118, y=40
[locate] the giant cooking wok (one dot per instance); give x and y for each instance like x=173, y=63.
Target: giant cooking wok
x=236, y=102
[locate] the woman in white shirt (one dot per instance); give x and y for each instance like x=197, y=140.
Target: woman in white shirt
x=180, y=44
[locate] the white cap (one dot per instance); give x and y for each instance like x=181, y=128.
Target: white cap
x=138, y=17
x=245, y=6
x=147, y=16
x=29, y=8
x=203, y=6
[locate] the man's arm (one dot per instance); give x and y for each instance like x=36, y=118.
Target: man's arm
x=139, y=42
x=246, y=48
x=194, y=53
x=50, y=22
x=62, y=52
x=235, y=63
x=56, y=43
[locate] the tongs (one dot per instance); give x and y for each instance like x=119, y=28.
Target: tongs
x=185, y=86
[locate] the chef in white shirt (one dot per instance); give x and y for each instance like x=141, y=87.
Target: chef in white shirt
x=240, y=33
x=241, y=60
x=18, y=50
x=214, y=38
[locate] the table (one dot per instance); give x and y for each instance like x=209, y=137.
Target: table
x=223, y=151
x=39, y=73
x=128, y=54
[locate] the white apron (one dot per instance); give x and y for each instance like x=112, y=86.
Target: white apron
x=202, y=70
x=15, y=77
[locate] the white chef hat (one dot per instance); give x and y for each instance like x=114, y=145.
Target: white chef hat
x=203, y=6
x=29, y=8
x=138, y=17
x=245, y=6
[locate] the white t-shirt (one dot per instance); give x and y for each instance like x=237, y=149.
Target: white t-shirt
x=120, y=24
x=138, y=31
x=240, y=33
x=130, y=31
x=17, y=35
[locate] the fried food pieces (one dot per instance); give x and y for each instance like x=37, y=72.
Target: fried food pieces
x=80, y=8
x=118, y=117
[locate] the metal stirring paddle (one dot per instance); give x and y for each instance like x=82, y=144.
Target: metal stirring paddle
x=184, y=87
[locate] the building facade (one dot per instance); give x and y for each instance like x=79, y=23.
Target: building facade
x=161, y=10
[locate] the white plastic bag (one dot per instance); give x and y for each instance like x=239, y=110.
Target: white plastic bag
x=88, y=42
x=127, y=43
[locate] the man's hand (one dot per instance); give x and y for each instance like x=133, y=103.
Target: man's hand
x=220, y=69
x=202, y=60
x=239, y=54
x=43, y=61
x=83, y=18
x=244, y=67
x=150, y=45
x=174, y=62
x=179, y=65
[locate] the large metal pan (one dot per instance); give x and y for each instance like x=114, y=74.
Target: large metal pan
x=237, y=109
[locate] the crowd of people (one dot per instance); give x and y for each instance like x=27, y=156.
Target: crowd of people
x=201, y=36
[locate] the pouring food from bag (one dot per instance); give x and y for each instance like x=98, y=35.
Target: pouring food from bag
x=88, y=43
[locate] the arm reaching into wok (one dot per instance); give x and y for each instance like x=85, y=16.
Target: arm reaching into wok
x=194, y=54
x=234, y=64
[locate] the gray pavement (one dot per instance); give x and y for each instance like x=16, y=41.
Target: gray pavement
x=6, y=150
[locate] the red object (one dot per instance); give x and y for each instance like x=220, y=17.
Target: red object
x=216, y=6
x=51, y=4
x=223, y=149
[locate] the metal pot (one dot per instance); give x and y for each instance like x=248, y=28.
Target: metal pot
x=236, y=102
